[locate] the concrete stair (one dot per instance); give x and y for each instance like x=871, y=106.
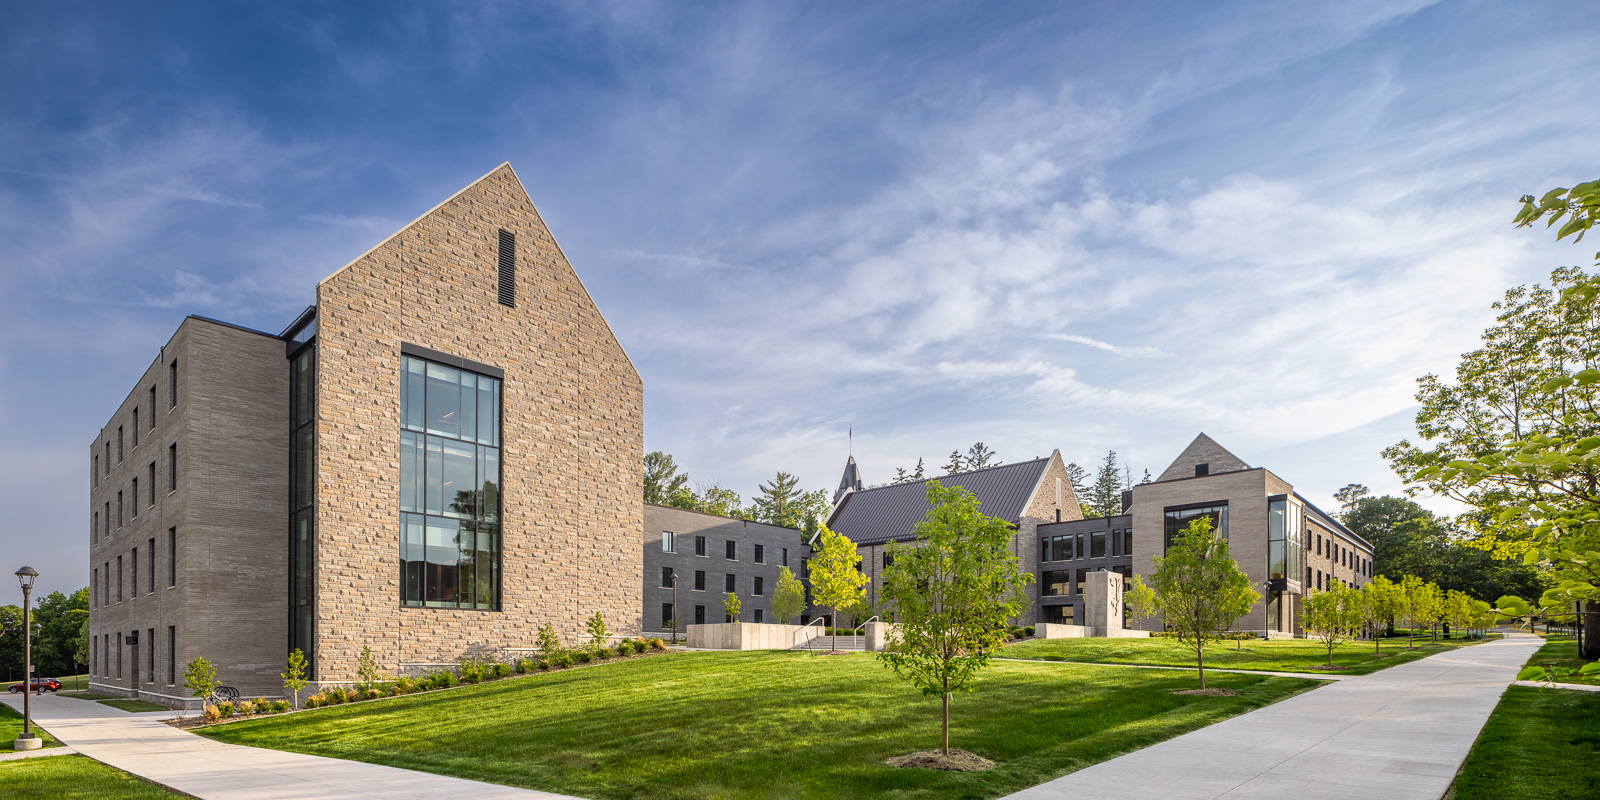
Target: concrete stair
x=826, y=642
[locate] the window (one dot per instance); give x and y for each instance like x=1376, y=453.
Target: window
x=1116, y=543
x=666, y=616
x=699, y=545
x=449, y=487
x=108, y=458
x=172, y=556
x=136, y=446
x=508, y=268
x=302, y=496
x=133, y=572
x=119, y=654
x=135, y=504
x=1059, y=615
x=1055, y=583
x=699, y=615
x=1077, y=585
x=105, y=594
x=783, y=560
x=761, y=554
x=1319, y=544
x=119, y=444
x=151, y=583
x=760, y=617
x=94, y=528
x=95, y=473
x=151, y=482
x=1308, y=577
x=1097, y=544
x=152, y=406
x=108, y=520
x=94, y=590
x=119, y=510
x=94, y=653
x=1179, y=518
x=1283, y=538
x=172, y=468
x=172, y=648
x=757, y=587
x=733, y=550
x=1202, y=470
x=172, y=384
x=1319, y=580
x=119, y=580
x=666, y=542
x=150, y=648
x=666, y=576
x=888, y=559
x=730, y=584
x=699, y=580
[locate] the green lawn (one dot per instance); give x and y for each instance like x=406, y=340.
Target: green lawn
x=133, y=705
x=73, y=778
x=1539, y=743
x=761, y=725
x=1277, y=655
x=1562, y=651
x=11, y=728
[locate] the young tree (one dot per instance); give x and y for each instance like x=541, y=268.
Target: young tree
x=549, y=641
x=775, y=502
x=1140, y=600
x=201, y=677
x=1417, y=602
x=598, y=635
x=294, y=678
x=1200, y=588
x=956, y=464
x=955, y=589
x=837, y=581
x=1334, y=615
x=979, y=457
x=730, y=607
x=1384, y=600
x=1106, y=494
x=789, y=598
x=901, y=476
x=662, y=480
x=366, y=668
x=916, y=474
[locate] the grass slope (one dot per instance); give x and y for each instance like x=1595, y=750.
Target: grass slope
x=73, y=778
x=11, y=728
x=1562, y=651
x=1538, y=744
x=761, y=724
x=1277, y=655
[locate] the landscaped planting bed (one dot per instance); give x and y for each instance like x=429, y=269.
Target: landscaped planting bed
x=1275, y=655
x=763, y=724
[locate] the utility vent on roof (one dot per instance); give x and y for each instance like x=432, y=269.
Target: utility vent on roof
x=508, y=268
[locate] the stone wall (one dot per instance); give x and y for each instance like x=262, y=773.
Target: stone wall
x=750, y=636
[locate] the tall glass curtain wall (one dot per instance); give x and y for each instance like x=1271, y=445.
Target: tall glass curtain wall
x=302, y=492
x=1284, y=554
x=449, y=487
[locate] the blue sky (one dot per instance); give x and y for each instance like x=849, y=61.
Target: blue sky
x=1102, y=226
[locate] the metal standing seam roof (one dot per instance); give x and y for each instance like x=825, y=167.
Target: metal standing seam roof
x=891, y=513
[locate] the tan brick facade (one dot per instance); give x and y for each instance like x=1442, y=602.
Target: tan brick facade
x=572, y=436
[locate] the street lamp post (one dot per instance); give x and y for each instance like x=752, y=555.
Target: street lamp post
x=675, y=609
x=28, y=740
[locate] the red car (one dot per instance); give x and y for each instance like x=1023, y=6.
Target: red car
x=39, y=685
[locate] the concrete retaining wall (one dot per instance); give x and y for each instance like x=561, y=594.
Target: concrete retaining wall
x=1051, y=630
x=750, y=635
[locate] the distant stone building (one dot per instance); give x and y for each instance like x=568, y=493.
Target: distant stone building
x=441, y=455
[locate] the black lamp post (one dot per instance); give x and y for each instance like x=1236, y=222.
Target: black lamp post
x=28, y=740
x=675, y=609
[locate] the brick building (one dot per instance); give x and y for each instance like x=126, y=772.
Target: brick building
x=711, y=556
x=437, y=458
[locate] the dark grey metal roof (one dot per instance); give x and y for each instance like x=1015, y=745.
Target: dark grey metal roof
x=890, y=513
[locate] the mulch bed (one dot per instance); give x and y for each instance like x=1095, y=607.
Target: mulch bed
x=1207, y=692
x=957, y=761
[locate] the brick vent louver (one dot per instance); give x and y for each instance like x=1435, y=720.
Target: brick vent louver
x=508, y=268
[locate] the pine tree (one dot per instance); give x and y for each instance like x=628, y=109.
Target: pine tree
x=979, y=457
x=662, y=480
x=1105, y=497
x=955, y=464
x=775, y=504
x=900, y=475
x=1075, y=475
x=917, y=474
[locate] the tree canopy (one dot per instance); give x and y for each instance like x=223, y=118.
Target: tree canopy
x=1200, y=588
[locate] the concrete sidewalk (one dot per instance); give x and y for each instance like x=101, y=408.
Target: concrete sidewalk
x=145, y=746
x=1398, y=733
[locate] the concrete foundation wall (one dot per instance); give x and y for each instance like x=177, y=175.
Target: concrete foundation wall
x=750, y=635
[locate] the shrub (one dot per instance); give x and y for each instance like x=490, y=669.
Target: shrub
x=225, y=709
x=658, y=644
x=281, y=706
x=1028, y=630
x=374, y=693
x=210, y=713
x=544, y=663
x=602, y=653
x=471, y=670
x=501, y=669
x=447, y=679
x=405, y=685
x=333, y=697
x=583, y=656
x=562, y=658
x=524, y=665
x=246, y=708
x=315, y=701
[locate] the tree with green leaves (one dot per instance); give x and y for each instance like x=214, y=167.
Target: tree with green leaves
x=1105, y=496
x=201, y=677
x=294, y=678
x=956, y=464
x=1579, y=206
x=60, y=619
x=1384, y=599
x=1200, y=589
x=837, y=581
x=598, y=634
x=730, y=607
x=1140, y=600
x=549, y=641
x=716, y=500
x=775, y=501
x=1076, y=475
x=1348, y=496
x=366, y=668
x=1334, y=615
x=1416, y=603
x=981, y=457
x=80, y=652
x=811, y=509
x=956, y=590
x=789, y=597
x=662, y=480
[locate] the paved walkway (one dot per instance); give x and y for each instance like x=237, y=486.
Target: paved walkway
x=1400, y=732
x=144, y=745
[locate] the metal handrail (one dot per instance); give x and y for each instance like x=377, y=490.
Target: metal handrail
x=794, y=640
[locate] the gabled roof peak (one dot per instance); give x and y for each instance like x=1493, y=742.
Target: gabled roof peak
x=1204, y=450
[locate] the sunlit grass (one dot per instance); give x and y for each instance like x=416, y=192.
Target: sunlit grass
x=1538, y=744
x=1276, y=655
x=73, y=778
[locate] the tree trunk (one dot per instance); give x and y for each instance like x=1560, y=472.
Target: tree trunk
x=1200, y=662
x=1589, y=646
x=945, y=743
